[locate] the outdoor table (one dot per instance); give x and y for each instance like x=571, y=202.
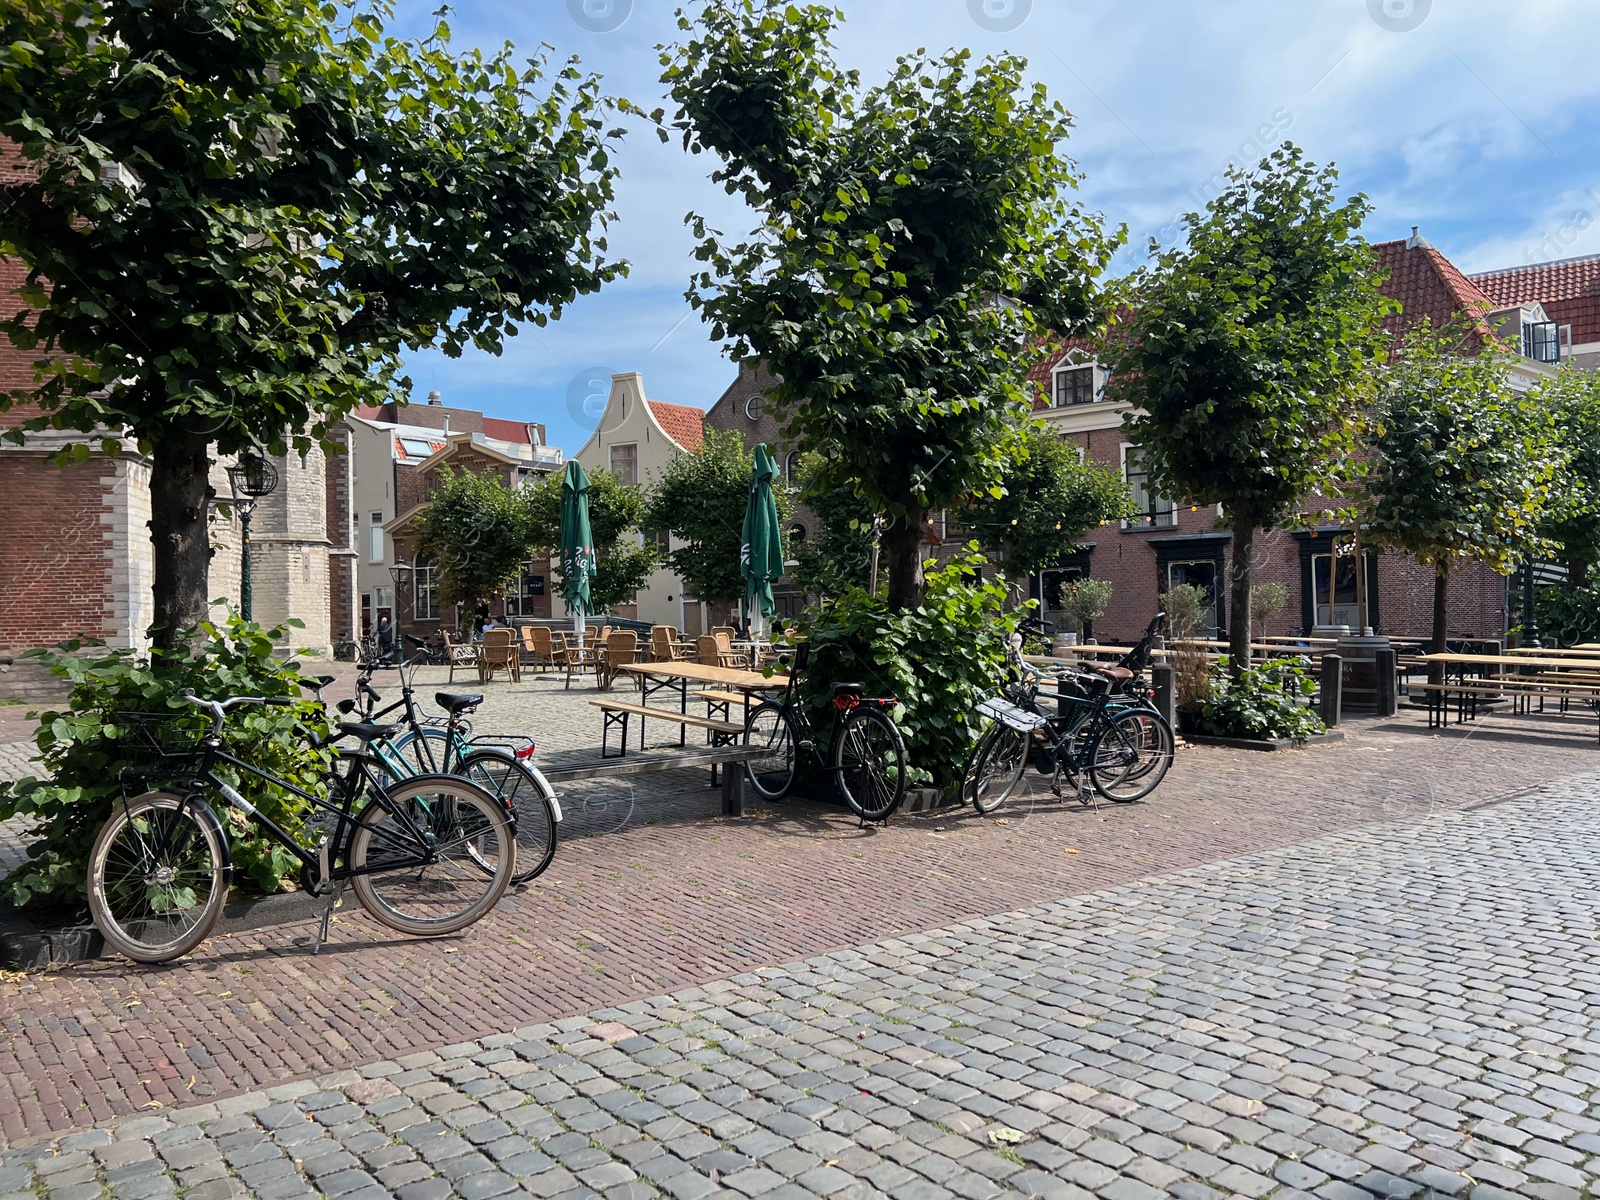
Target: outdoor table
x=1542, y=676
x=1575, y=652
x=677, y=676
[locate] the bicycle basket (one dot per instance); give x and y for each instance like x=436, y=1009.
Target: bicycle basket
x=152, y=747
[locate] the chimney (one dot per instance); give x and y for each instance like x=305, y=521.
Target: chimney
x=435, y=399
x=1416, y=241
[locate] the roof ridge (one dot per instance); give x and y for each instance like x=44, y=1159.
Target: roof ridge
x=1554, y=262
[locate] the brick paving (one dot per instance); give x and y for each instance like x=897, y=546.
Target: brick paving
x=651, y=891
x=1402, y=1011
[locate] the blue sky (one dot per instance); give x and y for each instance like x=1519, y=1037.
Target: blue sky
x=1475, y=119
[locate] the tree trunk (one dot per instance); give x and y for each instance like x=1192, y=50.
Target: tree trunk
x=902, y=543
x=179, y=533
x=1244, y=538
x=1441, y=618
x=1577, y=572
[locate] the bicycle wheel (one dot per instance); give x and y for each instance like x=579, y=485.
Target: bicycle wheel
x=771, y=728
x=998, y=769
x=156, y=883
x=1131, y=756
x=869, y=763
x=419, y=858
x=421, y=751
x=529, y=799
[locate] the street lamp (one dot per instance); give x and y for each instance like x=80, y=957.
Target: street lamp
x=1530, y=623
x=399, y=572
x=251, y=477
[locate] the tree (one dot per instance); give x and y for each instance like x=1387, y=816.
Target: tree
x=838, y=555
x=623, y=564
x=476, y=529
x=1573, y=518
x=1245, y=352
x=700, y=498
x=238, y=215
x=1049, y=496
x=912, y=238
x=1460, y=463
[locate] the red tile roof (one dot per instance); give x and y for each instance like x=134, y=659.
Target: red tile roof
x=1569, y=291
x=1427, y=284
x=683, y=423
x=507, y=431
x=1040, y=374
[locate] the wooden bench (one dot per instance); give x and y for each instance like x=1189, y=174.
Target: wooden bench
x=729, y=757
x=1520, y=690
x=724, y=699
x=617, y=713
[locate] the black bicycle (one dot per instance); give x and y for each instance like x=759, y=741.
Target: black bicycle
x=866, y=756
x=499, y=763
x=1102, y=735
x=428, y=855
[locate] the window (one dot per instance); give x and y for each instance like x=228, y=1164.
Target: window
x=625, y=463
x=660, y=539
x=520, y=598
x=753, y=407
x=1155, y=511
x=1541, y=341
x=1201, y=573
x=425, y=589
x=797, y=534
x=791, y=468
x=375, y=549
x=417, y=448
x=1074, y=385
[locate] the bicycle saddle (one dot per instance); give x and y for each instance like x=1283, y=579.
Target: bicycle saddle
x=457, y=702
x=847, y=689
x=365, y=731
x=1115, y=674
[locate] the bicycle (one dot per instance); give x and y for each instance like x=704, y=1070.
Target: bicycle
x=427, y=856
x=1110, y=743
x=866, y=755
x=496, y=762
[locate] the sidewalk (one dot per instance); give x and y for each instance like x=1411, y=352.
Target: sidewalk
x=1401, y=1011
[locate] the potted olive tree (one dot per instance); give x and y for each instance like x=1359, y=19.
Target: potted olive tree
x=1185, y=606
x=1086, y=601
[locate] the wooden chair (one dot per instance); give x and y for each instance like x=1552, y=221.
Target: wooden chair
x=463, y=655
x=730, y=656
x=712, y=655
x=665, y=646
x=622, y=648
x=538, y=647
x=500, y=653
x=724, y=631
x=582, y=657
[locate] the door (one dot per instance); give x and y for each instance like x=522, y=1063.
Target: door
x=1051, y=583
x=1200, y=573
x=1344, y=610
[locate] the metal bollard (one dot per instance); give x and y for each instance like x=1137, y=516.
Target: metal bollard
x=1165, y=679
x=1388, y=683
x=1332, y=691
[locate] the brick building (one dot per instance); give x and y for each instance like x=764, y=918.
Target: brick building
x=514, y=462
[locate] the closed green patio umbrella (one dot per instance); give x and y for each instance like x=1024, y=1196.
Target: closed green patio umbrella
x=761, y=555
x=577, y=544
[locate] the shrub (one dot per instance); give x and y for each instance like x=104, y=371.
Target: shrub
x=1086, y=600
x=1185, y=606
x=939, y=659
x=1568, y=616
x=1267, y=600
x=91, y=748
x=1268, y=701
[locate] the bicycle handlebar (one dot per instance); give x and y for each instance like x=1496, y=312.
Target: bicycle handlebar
x=219, y=708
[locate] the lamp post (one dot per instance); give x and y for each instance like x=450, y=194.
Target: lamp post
x=399, y=572
x=251, y=477
x=1530, y=623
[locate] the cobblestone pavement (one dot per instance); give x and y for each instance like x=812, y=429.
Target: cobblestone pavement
x=652, y=891
x=1405, y=1011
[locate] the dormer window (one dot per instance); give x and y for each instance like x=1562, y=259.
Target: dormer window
x=1074, y=385
x=1541, y=341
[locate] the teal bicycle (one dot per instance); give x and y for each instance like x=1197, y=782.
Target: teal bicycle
x=498, y=763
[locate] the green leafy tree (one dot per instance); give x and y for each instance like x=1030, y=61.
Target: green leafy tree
x=1573, y=518
x=838, y=555
x=1049, y=497
x=912, y=239
x=235, y=217
x=700, y=498
x=1460, y=464
x=623, y=564
x=1246, y=350
x=476, y=530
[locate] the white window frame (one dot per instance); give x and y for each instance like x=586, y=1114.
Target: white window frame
x=425, y=587
x=1153, y=500
x=376, y=550
x=1097, y=385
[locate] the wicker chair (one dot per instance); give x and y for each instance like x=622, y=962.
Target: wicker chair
x=622, y=648
x=584, y=657
x=500, y=653
x=713, y=655
x=461, y=655
x=665, y=646
x=538, y=647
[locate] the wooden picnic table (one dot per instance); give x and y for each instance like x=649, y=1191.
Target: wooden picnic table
x=1564, y=679
x=1574, y=652
x=677, y=676
x=1505, y=660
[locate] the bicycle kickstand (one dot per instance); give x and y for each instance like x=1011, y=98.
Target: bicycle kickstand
x=331, y=901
